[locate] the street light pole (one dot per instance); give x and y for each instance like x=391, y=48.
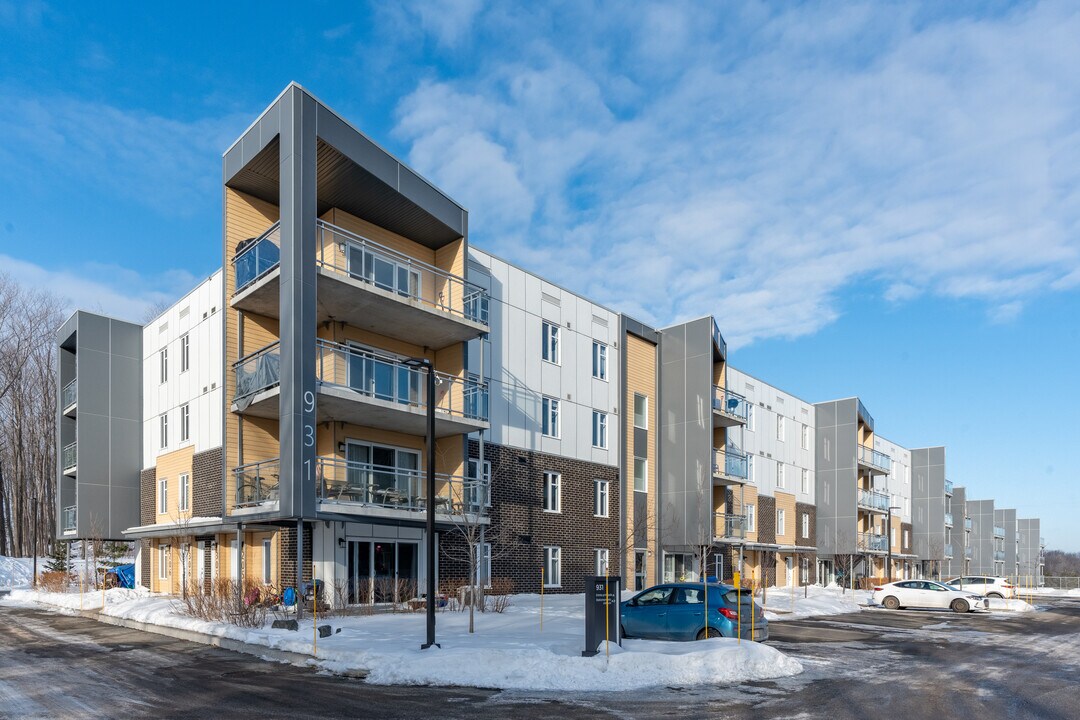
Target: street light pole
x=430, y=543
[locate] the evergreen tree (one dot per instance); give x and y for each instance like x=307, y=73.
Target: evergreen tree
x=58, y=557
x=114, y=553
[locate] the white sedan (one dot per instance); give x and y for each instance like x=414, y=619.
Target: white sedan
x=927, y=594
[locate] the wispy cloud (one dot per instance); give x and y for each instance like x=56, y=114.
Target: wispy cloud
x=760, y=165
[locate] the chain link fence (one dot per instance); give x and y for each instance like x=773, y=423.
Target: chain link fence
x=1062, y=583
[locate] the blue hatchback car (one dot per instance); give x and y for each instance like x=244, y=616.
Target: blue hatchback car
x=676, y=611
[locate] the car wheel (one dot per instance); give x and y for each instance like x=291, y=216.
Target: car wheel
x=891, y=603
x=960, y=606
x=707, y=633
x=997, y=596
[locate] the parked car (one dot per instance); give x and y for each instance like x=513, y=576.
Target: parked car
x=927, y=594
x=991, y=587
x=676, y=611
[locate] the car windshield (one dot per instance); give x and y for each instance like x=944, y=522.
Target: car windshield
x=656, y=596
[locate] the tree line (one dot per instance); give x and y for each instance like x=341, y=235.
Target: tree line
x=1059, y=563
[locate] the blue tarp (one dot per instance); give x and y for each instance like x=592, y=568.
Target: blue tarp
x=125, y=574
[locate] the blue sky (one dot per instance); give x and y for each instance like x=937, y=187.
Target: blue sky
x=881, y=200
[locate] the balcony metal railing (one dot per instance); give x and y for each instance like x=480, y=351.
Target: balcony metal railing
x=730, y=403
x=360, y=258
x=999, y=555
x=69, y=517
x=70, y=394
x=70, y=455
x=873, y=542
x=731, y=463
x=257, y=482
x=948, y=550
x=726, y=525
x=870, y=456
x=967, y=552
x=387, y=378
x=254, y=258
x=339, y=480
x=999, y=531
x=948, y=519
x=948, y=487
x=967, y=524
x=873, y=500
x=261, y=370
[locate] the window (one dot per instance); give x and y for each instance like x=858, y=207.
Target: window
x=805, y=437
x=780, y=470
x=185, y=423
x=551, y=343
x=599, y=360
x=780, y=428
x=476, y=496
x=751, y=518
x=781, y=521
x=639, y=570
x=805, y=481
x=749, y=468
x=892, y=537
x=641, y=411
x=550, y=411
x=552, y=566
x=599, y=429
x=750, y=417
x=601, y=557
x=641, y=475
x=163, y=562
x=600, y=498
x=185, y=492
x=806, y=525
x=907, y=540
x=164, y=430
x=163, y=356
x=162, y=496
x=483, y=571
x=552, y=492
x=185, y=353
x=267, y=579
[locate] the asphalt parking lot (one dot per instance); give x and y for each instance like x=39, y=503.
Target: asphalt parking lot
x=906, y=664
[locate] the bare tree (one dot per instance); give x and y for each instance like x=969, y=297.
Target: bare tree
x=184, y=540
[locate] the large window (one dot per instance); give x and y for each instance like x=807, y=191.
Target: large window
x=550, y=410
x=600, y=556
x=182, y=501
x=780, y=427
x=483, y=562
x=599, y=360
x=478, y=495
x=641, y=411
x=781, y=521
x=163, y=562
x=600, y=498
x=805, y=437
x=599, y=429
x=780, y=471
x=163, y=359
x=806, y=525
x=751, y=518
x=641, y=475
x=552, y=492
x=185, y=423
x=163, y=430
x=551, y=343
x=639, y=570
x=185, y=353
x=552, y=566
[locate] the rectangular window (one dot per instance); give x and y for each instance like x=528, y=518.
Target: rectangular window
x=750, y=417
x=601, y=557
x=552, y=492
x=641, y=475
x=480, y=495
x=806, y=525
x=805, y=437
x=162, y=496
x=483, y=561
x=185, y=353
x=599, y=360
x=551, y=343
x=552, y=566
x=600, y=498
x=907, y=540
x=641, y=411
x=751, y=519
x=780, y=471
x=892, y=537
x=805, y=481
x=780, y=428
x=639, y=570
x=781, y=521
x=185, y=423
x=163, y=428
x=750, y=468
x=164, y=360
x=163, y=562
x=599, y=429
x=185, y=491
x=267, y=579
x=550, y=410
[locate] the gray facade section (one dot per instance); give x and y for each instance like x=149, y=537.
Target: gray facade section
x=102, y=356
x=1029, y=551
x=958, y=564
x=982, y=537
x=1006, y=518
x=837, y=476
x=928, y=505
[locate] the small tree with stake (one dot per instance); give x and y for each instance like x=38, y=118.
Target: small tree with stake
x=59, y=560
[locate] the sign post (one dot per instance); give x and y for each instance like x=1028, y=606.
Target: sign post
x=603, y=612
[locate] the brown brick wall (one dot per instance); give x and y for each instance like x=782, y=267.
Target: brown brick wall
x=766, y=519
x=147, y=496
x=288, y=555
x=800, y=510
x=145, y=571
x=206, y=479
x=905, y=528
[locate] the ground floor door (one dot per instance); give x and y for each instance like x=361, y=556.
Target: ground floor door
x=825, y=572
x=382, y=571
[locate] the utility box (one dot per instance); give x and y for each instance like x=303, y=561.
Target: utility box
x=603, y=612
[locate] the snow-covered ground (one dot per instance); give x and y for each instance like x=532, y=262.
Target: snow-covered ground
x=1010, y=605
x=509, y=650
x=810, y=601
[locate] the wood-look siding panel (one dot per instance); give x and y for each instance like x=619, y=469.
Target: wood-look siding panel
x=641, y=380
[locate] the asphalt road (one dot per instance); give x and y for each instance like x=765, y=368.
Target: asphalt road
x=904, y=664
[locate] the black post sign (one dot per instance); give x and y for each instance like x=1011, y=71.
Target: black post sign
x=602, y=605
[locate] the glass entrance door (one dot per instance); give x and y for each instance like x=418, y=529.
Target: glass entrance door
x=382, y=571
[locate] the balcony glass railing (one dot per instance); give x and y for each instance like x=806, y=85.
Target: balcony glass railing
x=967, y=524
x=967, y=552
x=70, y=455
x=999, y=531
x=69, y=518
x=360, y=258
x=948, y=519
x=70, y=394
x=948, y=487
x=398, y=488
x=726, y=525
x=870, y=456
x=257, y=482
x=256, y=257
x=730, y=403
x=999, y=555
x=731, y=463
x=873, y=542
x=873, y=500
x=948, y=550
x=261, y=370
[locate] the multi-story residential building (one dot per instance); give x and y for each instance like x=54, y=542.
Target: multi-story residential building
x=778, y=439
x=900, y=529
x=1030, y=549
x=1005, y=519
x=929, y=500
x=961, y=531
x=985, y=540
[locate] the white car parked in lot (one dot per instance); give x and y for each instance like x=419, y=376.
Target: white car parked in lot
x=991, y=587
x=927, y=594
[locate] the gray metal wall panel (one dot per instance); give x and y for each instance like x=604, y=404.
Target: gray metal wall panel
x=982, y=536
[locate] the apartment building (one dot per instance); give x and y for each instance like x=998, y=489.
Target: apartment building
x=929, y=500
x=1005, y=520
x=961, y=532
x=986, y=540
x=900, y=529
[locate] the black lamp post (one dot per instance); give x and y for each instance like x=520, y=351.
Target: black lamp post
x=888, y=544
x=427, y=366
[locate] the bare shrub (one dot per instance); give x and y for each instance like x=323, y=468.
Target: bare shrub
x=55, y=582
x=498, y=597
x=245, y=605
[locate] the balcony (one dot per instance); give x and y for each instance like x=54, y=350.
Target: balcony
x=871, y=542
x=999, y=532
x=873, y=501
x=948, y=487
x=967, y=524
x=366, y=388
x=967, y=552
x=728, y=526
x=381, y=490
x=999, y=555
x=70, y=458
x=69, y=397
x=257, y=484
x=369, y=286
x=948, y=519
x=69, y=519
x=729, y=409
x=730, y=466
x=871, y=459
x=948, y=550
x=1042, y=542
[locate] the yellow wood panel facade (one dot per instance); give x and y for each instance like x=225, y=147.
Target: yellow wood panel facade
x=170, y=467
x=641, y=380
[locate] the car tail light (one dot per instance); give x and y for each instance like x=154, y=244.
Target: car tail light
x=878, y=589
x=729, y=614
x=1009, y=587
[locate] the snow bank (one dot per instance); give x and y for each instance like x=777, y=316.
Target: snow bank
x=1010, y=605
x=811, y=601
x=508, y=651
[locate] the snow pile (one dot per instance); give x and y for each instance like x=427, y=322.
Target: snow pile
x=1010, y=605
x=810, y=601
x=509, y=650
x=17, y=572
